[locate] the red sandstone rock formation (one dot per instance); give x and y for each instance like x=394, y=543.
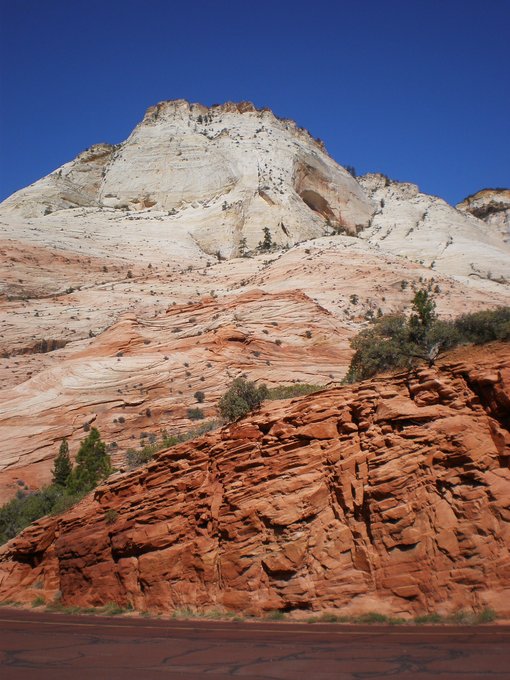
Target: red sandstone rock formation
x=312, y=299
x=389, y=495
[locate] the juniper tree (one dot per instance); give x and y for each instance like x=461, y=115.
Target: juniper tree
x=243, y=247
x=395, y=341
x=62, y=467
x=241, y=398
x=92, y=463
x=267, y=242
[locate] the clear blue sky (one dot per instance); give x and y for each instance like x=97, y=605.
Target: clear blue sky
x=418, y=89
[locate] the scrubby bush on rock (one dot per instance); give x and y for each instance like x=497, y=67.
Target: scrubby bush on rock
x=241, y=397
x=399, y=341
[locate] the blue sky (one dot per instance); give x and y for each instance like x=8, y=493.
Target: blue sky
x=419, y=90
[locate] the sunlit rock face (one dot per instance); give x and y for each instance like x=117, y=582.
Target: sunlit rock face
x=131, y=279
x=208, y=181
x=123, y=266
x=426, y=229
x=216, y=174
x=390, y=496
x=493, y=207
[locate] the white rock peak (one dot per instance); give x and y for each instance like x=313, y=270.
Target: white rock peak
x=220, y=174
x=210, y=180
x=493, y=207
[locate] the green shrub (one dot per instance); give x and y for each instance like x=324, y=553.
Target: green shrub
x=111, y=516
x=428, y=618
x=18, y=513
x=485, y=326
x=114, y=609
x=93, y=464
x=196, y=414
x=135, y=457
x=380, y=347
x=290, y=391
x=327, y=617
x=461, y=616
x=486, y=615
x=138, y=457
x=241, y=397
x=397, y=341
x=372, y=617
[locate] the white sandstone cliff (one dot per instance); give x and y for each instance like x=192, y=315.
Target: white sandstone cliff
x=217, y=175
x=493, y=207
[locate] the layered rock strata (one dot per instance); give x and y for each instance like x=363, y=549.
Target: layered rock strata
x=390, y=495
x=279, y=318
x=493, y=207
x=209, y=180
x=426, y=229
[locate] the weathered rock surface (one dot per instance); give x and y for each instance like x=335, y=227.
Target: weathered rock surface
x=105, y=259
x=426, y=229
x=492, y=206
x=279, y=318
x=195, y=180
x=219, y=174
x=390, y=495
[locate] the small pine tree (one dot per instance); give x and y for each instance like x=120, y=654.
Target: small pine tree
x=424, y=310
x=267, y=242
x=62, y=467
x=243, y=247
x=92, y=463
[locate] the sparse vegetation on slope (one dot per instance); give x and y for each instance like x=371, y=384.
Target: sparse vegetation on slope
x=241, y=397
x=68, y=487
x=397, y=341
x=137, y=457
x=291, y=391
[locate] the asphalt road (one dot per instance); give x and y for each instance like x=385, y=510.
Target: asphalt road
x=60, y=647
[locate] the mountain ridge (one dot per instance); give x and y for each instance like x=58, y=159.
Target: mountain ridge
x=88, y=291
x=216, y=177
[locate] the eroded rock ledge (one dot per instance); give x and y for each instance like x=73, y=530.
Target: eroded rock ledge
x=390, y=495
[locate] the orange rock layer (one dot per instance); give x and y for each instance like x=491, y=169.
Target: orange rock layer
x=390, y=495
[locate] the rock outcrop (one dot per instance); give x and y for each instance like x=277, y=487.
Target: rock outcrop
x=493, y=207
x=278, y=318
x=208, y=181
x=217, y=175
x=426, y=229
x=104, y=262
x=390, y=495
